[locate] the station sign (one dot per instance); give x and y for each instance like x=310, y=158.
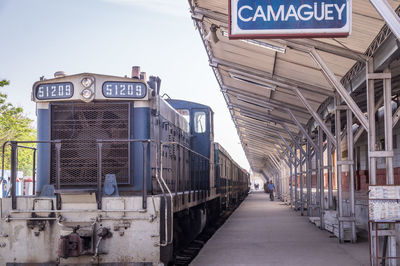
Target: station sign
x=289, y=19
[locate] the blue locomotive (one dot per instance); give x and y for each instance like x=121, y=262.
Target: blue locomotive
x=123, y=176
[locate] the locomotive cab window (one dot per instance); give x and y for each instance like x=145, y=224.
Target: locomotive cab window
x=185, y=113
x=199, y=122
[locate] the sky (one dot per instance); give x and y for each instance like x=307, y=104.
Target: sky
x=108, y=37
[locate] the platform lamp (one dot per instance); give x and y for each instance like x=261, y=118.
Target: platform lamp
x=212, y=34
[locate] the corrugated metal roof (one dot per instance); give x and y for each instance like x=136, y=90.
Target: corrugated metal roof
x=257, y=81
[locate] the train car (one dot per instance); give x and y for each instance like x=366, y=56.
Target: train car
x=232, y=181
x=123, y=176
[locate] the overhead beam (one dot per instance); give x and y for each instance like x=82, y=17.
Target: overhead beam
x=388, y=14
x=273, y=80
x=261, y=135
x=307, y=44
x=268, y=101
x=258, y=154
x=290, y=149
x=339, y=88
x=293, y=139
x=282, y=157
x=271, y=107
x=259, y=145
x=264, y=136
x=303, y=131
x=252, y=152
x=254, y=128
x=286, y=153
x=314, y=114
x=258, y=137
x=273, y=160
x=260, y=141
x=259, y=128
x=260, y=132
x=261, y=122
x=257, y=151
x=396, y=117
x=266, y=131
x=262, y=117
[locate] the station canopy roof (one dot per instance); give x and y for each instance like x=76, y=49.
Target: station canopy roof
x=258, y=77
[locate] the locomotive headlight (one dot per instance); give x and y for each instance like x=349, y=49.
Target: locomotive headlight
x=87, y=82
x=87, y=94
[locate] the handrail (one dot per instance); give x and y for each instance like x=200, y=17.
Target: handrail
x=166, y=205
x=2, y=162
x=14, y=154
x=185, y=147
x=33, y=167
x=100, y=169
x=164, y=144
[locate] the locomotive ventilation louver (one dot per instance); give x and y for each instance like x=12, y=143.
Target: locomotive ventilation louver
x=78, y=126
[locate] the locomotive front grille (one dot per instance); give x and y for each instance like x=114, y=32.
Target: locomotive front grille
x=78, y=126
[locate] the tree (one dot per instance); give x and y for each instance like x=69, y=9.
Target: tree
x=15, y=125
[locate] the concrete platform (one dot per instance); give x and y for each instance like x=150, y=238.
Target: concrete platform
x=261, y=232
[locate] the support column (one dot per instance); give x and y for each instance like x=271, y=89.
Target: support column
x=339, y=167
x=387, y=103
x=350, y=152
x=287, y=184
x=277, y=182
x=390, y=240
x=282, y=174
x=318, y=180
x=289, y=163
x=301, y=180
x=321, y=177
x=295, y=160
x=330, y=182
x=372, y=128
x=308, y=178
x=371, y=143
x=291, y=183
x=296, y=164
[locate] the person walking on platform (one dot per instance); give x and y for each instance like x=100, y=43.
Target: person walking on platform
x=271, y=188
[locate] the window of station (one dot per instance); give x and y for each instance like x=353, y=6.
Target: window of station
x=199, y=122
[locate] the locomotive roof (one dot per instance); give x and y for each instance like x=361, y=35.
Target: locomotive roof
x=172, y=115
x=88, y=74
x=187, y=104
x=223, y=151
